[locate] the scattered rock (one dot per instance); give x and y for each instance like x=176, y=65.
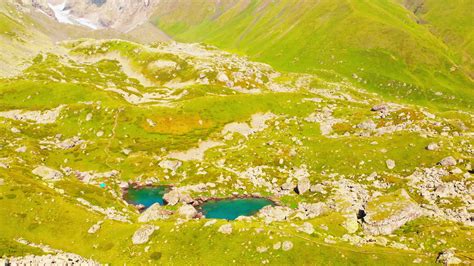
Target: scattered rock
x=50, y=259
x=351, y=224
x=194, y=154
x=430, y=185
x=222, y=77
x=389, y=212
x=448, y=161
x=21, y=149
x=162, y=64
x=262, y=249
x=242, y=128
x=142, y=235
x=69, y=143
x=225, y=229
x=124, y=185
x=244, y=218
x=350, y=197
x=303, y=185
x=47, y=173
x=277, y=245
x=448, y=257
x=367, y=125
x=319, y=188
x=172, y=165
x=302, y=175
x=187, y=211
x=175, y=196
x=306, y=228
x=456, y=171
x=325, y=119
x=310, y=210
x=111, y=213
x=209, y=223
x=153, y=213
x=352, y=239
x=94, y=228
x=4, y=165
x=379, y=108
x=150, y=122
x=432, y=147
x=258, y=123
x=330, y=240
x=89, y=117
x=275, y=213
x=390, y=164
x=39, y=117
x=287, y=245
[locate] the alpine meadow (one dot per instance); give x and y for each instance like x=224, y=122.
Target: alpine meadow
x=236, y=132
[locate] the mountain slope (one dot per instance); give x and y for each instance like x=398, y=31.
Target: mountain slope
x=27, y=29
x=355, y=178
x=110, y=115
x=17, y=40
x=378, y=43
x=452, y=21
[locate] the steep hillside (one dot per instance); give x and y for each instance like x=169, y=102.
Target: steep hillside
x=18, y=41
x=452, y=22
x=27, y=28
x=120, y=15
x=378, y=43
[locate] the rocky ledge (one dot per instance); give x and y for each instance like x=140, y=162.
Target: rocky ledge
x=387, y=213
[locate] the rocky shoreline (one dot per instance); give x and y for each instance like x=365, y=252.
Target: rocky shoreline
x=201, y=200
x=125, y=186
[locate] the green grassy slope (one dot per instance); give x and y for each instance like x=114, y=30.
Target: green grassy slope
x=17, y=39
x=49, y=213
x=452, y=22
x=24, y=33
x=378, y=41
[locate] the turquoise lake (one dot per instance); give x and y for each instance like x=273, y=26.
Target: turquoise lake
x=230, y=209
x=146, y=196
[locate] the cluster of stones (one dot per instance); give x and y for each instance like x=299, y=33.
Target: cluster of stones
x=50, y=259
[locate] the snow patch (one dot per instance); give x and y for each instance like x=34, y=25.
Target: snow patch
x=64, y=16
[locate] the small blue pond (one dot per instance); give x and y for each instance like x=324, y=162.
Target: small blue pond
x=230, y=209
x=146, y=196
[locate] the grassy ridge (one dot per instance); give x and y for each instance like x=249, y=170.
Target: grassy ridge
x=452, y=22
x=379, y=41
